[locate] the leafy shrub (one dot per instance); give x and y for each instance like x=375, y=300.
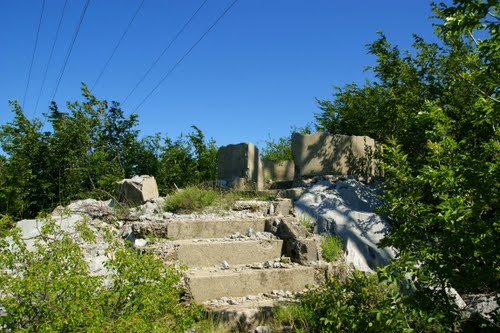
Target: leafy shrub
x=49, y=289
x=332, y=247
x=6, y=223
x=361, y=303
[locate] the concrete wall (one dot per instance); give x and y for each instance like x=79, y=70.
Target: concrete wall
x=278, y=171
x=240, y=166
x=325, y=154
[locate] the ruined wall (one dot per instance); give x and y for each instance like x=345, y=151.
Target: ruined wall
x=240, y=166
x=278, y=171
x=315, y=154
x=325, y=154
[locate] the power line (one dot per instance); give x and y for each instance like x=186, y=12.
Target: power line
x=164, y=50
x=50, y=56
x=185, y=55
x=118, y=44
x=34, y=51
x=71, y=48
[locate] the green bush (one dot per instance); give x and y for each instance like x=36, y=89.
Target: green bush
x=361, y=303
x=49, y=289
x=196, y=199
x=190, y=199
x=332, y=247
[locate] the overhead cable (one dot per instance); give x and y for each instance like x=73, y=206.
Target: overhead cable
x=164, y=51
x=185, y=55
x=50, y=56
x=71, y=48
x=34, y=51
x=117, y=44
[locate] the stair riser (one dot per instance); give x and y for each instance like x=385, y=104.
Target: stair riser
x=237, y=284
x=211, y=229
x=209, y=254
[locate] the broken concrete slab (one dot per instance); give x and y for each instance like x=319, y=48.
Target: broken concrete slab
x=298, y=244
x=137, y=190
x=240, y=167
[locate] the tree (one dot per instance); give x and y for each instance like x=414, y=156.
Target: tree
x=436, y=109
x=280, y=149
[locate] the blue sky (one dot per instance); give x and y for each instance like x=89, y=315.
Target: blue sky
x=257, y=73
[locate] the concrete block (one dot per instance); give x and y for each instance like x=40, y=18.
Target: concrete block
x=325, y=154
x=240, y=166
x=137, y=190
x=213, y=253
x=278, y=171
x=212, y=228
x=206, y=285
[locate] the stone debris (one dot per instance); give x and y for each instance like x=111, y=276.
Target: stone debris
x=275, y=295
x=137, y=190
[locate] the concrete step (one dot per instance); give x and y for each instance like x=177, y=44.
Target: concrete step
x=209, y=253
x=208, y=284
x=212, y=229
x=198, y=229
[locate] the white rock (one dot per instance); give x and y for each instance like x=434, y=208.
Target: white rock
x=347, y=210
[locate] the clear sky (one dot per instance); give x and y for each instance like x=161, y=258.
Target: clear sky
x=258, y=72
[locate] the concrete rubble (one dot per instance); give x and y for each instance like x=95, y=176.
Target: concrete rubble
x=137, y=190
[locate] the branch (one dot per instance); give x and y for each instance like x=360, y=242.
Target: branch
x=473, y=38
x=479, y=89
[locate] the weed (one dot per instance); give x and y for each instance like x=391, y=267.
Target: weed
x=306, y=222
x=196, y=199
x=190, y=199
x=332, y=247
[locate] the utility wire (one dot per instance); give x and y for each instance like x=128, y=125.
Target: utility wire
x=50, y=57
x=185, y=55
x=117, y=44
x=34, y=51
x=164, y=50
x=71, y=48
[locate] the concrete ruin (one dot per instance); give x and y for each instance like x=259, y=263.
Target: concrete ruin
x=137, y=190
x=240, y=167
x=325, y=154
x=278, y=171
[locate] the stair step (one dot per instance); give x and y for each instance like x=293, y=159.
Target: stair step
x=206, y=284
x=197, y=229
x=212, y=229
x=212, y=253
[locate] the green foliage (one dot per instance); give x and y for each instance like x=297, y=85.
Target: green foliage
x=90, y=147
x=196, y=199
x=6, y=223
x=187, y=161
x=49, y=289
x=190, y=199
x=279, y=150
x=436, y=110
x=332, y=247
x=361, y=303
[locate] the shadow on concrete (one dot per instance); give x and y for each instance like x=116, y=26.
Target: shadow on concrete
x=334, y=155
